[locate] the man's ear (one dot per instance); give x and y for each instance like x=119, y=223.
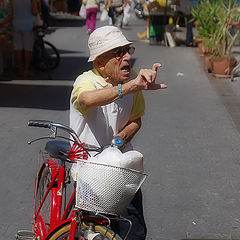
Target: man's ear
x=99, y=63
x=96, y=62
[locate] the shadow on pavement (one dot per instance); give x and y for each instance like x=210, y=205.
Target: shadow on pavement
x=66, y=22
x=35, y=96
x=52, y=95
x=69, y=68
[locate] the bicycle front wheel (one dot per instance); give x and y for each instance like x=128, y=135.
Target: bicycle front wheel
x=63, y=233
x=46, y=56
x=43, y=181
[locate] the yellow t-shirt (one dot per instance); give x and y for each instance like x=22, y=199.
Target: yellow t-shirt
x=86, y=82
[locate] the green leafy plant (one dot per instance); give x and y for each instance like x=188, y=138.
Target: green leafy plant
x=205, y=13
x=222, y=41
x=213, y=18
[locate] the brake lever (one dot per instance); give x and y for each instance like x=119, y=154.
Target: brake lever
x=40, y=138
x=53, y=132
x=52, y=135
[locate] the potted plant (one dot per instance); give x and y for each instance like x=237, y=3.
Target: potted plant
x=213, y=18
x=221, y=41
x=205, y=15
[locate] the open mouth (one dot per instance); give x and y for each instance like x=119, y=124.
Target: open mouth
x=125, y=69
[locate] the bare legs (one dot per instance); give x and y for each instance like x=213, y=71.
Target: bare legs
x=19, y=61
x=23, y=59
x=23, y=44
x=27, y=56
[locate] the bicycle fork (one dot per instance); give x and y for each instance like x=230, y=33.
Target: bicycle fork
x=75, y=230
x=56, y=196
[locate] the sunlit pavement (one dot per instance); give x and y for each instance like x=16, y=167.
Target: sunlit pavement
x=189, y=138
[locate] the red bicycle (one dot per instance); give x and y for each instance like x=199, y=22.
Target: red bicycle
x=83, y=210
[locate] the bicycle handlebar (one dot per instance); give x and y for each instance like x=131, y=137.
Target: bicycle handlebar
x=40, y=123
x=53, y=126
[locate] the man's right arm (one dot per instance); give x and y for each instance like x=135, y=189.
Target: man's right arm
x=144, y=81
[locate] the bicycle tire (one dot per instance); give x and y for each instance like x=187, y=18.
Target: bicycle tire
x=44, y=178
x=63, y=233
x=45, y=56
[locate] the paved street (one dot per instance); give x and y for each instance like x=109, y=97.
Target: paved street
x=189, y=138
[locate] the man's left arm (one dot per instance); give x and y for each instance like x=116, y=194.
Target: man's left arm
x=130, y=130
x=134, y=122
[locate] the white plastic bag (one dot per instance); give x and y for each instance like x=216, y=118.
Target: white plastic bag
x=82, y=12
x=104, y=15
x=114, y=157
x=133, y=160
x=37, y=20
x=127, y=14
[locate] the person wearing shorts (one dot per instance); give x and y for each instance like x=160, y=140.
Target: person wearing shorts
x=23, y=35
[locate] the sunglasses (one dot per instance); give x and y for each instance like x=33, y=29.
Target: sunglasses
x=121, y=51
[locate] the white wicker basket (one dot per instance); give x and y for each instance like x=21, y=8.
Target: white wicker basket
x=106, y=189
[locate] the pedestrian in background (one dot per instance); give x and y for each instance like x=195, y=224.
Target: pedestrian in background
x=127, y=13
x=92, y=7
x=23, y=35
x=116, y=12
x=190, y=23
x=106, y=7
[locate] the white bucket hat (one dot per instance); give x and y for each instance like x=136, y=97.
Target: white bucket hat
x=104, y=39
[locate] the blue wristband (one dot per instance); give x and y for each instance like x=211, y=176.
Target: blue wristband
x=120, y=90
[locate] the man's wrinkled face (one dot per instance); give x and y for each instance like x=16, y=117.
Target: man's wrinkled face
x=116, y=64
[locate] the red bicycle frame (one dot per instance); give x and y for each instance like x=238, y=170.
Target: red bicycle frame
x=50, y=184
x=56, y=188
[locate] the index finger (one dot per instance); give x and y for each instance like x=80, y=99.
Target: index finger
x=156, y=66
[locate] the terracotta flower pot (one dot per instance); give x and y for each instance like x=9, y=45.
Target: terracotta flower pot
x=208, y=63
x=200, y=48
x=221, y=67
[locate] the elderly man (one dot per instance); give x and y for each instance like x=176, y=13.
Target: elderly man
x=106, y=103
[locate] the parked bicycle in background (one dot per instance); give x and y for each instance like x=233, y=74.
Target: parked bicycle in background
x=45, y=55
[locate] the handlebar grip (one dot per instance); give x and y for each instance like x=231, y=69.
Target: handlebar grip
x=40, y=123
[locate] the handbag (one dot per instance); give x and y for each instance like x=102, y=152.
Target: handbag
x=111, y=12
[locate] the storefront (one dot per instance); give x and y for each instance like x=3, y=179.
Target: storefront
x=58, y=6
x=72, y=6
